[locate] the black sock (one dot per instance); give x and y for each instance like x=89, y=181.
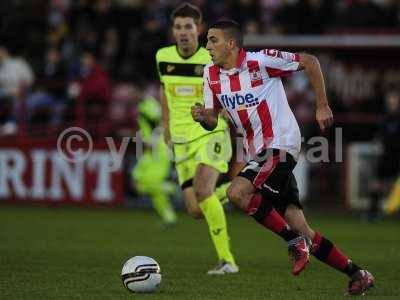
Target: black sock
x=325, y=251
x=351, y=268
x=288, y=234
x=265, y=214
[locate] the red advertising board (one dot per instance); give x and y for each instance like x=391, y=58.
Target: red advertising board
x=33, y=170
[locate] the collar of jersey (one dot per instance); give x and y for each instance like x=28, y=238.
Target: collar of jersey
x=187, y=57
x=239, y=62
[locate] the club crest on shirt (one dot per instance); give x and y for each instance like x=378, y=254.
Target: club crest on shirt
x=170, y=68
x=198, y=70
x=255, y=75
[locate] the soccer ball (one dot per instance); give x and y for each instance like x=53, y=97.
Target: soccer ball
x=141, y=274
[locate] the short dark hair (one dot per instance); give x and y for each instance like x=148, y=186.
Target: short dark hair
x=187, y=10
x=230, y=28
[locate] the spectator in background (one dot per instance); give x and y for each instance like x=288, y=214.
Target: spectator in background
x=313, y=16
x=304, y=16
x=56, y=21
x=150, y=37
x=268, y=9
x=109, y=50
x=54, y=74
x=252, y=27
x=391, y=13
x=361, y=15
x=389, y=160
x=92, y=92
x=47, y=103
x=248, y=13
x=16, y=77
x=285, y=18
x=123, y=110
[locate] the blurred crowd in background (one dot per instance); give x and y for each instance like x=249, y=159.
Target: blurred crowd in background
x=91, y=61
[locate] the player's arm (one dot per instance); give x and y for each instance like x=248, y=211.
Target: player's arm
x=207, y=114
x=165, y=115
x=310, y=64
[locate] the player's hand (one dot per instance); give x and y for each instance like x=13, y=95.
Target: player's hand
x=224, y=115
x=198, y=112
x=324, y=116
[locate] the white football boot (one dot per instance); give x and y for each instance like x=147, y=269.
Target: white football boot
x=224, y=268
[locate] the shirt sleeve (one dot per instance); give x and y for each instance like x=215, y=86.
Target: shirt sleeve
x=210, y=99
x=160, y=77
x=280, y=63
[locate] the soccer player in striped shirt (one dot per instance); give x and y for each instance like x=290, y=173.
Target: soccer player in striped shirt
x=248, y=86
x=200, y=155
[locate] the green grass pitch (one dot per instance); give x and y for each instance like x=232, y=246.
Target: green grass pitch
x=72, y=253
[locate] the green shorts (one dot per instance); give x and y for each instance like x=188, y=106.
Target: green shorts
x=214, y=150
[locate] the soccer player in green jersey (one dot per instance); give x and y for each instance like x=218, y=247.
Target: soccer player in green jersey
x=200, y=155
x=150, y=173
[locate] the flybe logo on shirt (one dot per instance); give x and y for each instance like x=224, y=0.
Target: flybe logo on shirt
x=239, y=101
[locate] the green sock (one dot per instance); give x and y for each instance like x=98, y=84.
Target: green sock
x=163, y=207
x=215, y=217
x=220, y=192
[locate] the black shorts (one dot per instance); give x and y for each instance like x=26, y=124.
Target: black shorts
x=271, y=173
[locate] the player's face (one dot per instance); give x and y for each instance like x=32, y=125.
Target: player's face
x=217, y=45
x=185, y=32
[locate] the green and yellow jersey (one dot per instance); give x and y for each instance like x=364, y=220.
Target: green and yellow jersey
x=149, y=117
x=182, y=79
x=153, y=166
x=149, y=121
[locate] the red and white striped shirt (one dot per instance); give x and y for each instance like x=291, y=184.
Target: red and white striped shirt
x=255, y=100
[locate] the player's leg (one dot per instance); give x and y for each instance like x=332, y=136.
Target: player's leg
x=296, y=220
x=220, y=191
x=327, y=252
x=213, y=211
x=149, y=177
x=393, y=200
x=216, y=151
x=191, y=203
x=244, y=195
x=162, y=188
x=162, y=205
x=192, y=206
x=186, y=165
x=212, y=156
x=189, y=196
x=245, y=192
x=223, y=185
x=384, y=186
x=322, y=248
x=268, y=175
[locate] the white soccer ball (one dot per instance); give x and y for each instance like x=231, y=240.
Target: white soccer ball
x=141, y=274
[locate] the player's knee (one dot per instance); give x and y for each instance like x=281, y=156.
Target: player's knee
x=234, y=195
x=202, y=192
